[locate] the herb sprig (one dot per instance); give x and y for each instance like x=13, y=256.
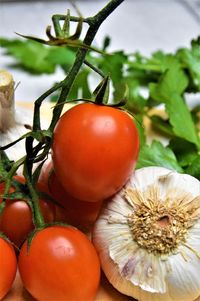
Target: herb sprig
x=162, y=80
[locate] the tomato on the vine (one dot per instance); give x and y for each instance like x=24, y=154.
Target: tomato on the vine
x=75, y=212
x=61, y=264
x=16, y=220
x=72, y=211
x=8, y=266
x=95, y=149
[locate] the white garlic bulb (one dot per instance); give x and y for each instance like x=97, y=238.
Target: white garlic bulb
x=148, y=236
x=13, y=122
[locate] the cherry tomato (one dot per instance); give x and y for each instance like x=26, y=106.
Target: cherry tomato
x=45, y=174
x=8, y=266
x=95, y=148
x=73, y=211
x=16, y=219
x=62, y=264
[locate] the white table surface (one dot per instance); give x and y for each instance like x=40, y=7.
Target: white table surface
x=143, y=25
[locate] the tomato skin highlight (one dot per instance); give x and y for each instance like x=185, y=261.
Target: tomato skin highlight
x=95, y=149
x=8, y=267
x=61, y=264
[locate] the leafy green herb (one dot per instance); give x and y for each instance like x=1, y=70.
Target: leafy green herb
x=163, y=79
x=157, y=155
x=169, y=90
x=190, y=58
x=194, y=168
x=185, y=151
x=45, y=58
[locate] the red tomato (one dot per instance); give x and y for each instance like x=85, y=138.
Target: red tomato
x=8, y=267
x=62, y=264
x=43, y=182
x=16, y=219
x=75, y=212
x=95, y=149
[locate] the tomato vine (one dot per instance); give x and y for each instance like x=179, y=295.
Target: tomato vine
x=38, y=142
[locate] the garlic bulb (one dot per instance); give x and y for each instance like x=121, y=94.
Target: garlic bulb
x=148, y=236
x=13, y=123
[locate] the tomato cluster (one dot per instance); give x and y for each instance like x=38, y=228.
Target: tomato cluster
x=16, y=220
x=94, y=151
x=61, y=264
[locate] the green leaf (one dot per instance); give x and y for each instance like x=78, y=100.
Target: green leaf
x=169, y=91
x=29, y=55
x=159, y=62
x=194, y=168
x=190, y=59
x=61, y=56
x=173, y=81
x=185, y=151
x=45, y=58
x=161, y=125
x=181, y=120
x=158, y=155
x=112, y=65
x=80, y=88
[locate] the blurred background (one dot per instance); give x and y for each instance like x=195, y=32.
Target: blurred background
x=136, y=25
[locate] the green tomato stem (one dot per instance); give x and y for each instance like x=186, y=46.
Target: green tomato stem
x=65, y=85
x=37, y=215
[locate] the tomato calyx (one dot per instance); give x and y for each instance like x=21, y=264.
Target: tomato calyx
x=101, y=94
x=32, y=234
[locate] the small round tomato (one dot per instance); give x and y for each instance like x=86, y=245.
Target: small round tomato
x=16, y=220
x=61, y=264
x=8, y=266
x=75, y=212
x=95, y=148
x=45, y=174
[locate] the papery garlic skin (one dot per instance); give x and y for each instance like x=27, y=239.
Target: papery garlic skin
x=13, y=122
x=7, y=118
x=162, y=272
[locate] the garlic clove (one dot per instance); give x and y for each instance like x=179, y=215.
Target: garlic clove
x=14, y=121
x=148, y=236
x=7, y=119
x=184, y=281
x=13, y=124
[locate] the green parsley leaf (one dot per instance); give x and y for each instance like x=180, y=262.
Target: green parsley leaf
x=80, y=88
x=184, y=151
x=190, y=58
x=45, y=58
x=194, y=168
x=169, y=91
x=26, y=52
x=112, y=65
x=161, y=125
x=157, y=155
